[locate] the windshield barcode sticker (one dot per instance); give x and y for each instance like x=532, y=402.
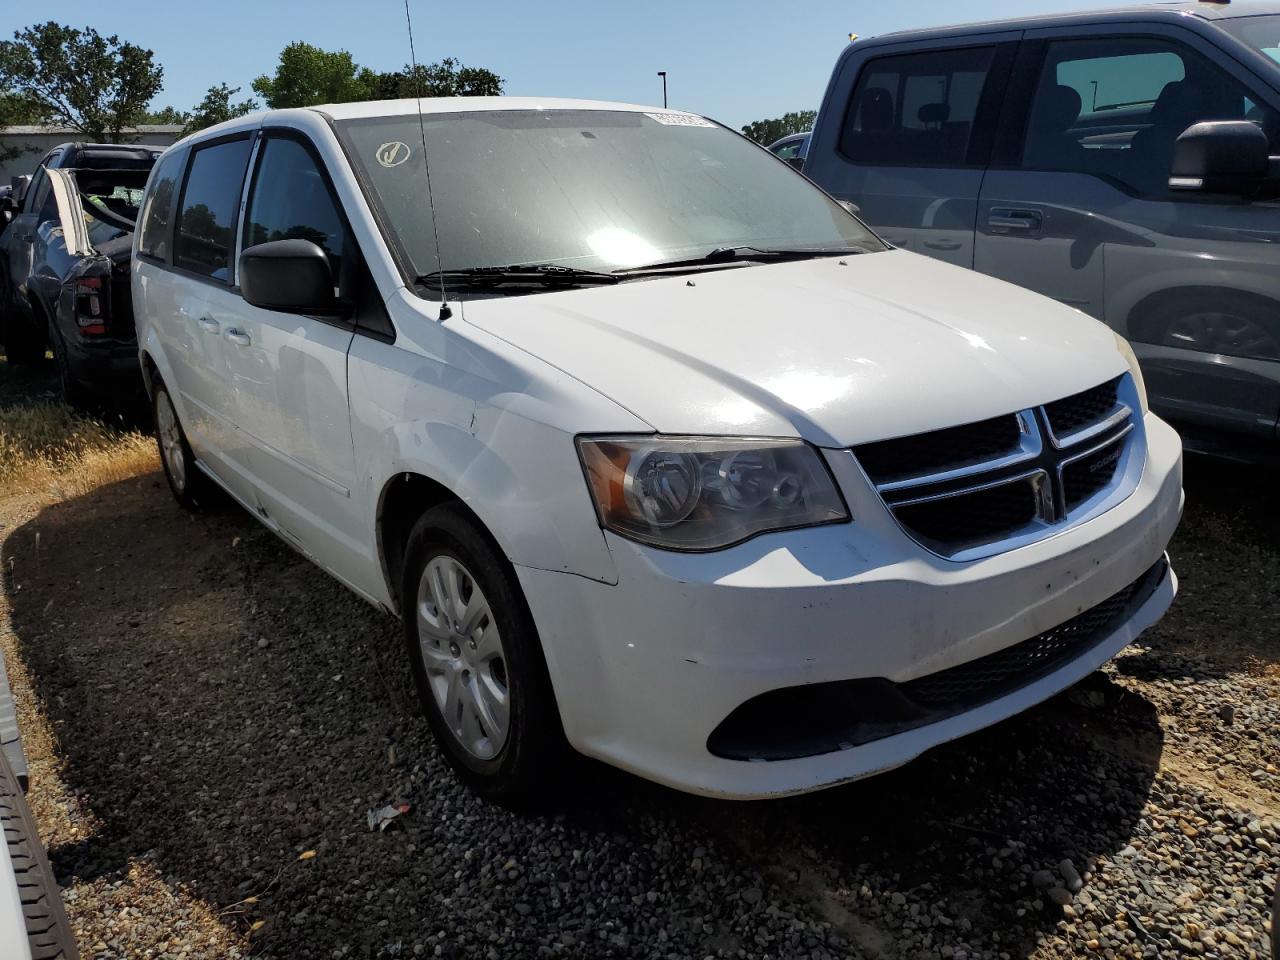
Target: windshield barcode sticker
x=680, y=119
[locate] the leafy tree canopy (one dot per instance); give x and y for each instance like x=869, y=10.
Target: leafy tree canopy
x=217, y=107
x=17, y=109
x=168, y=116
x=79, y=78
x=448, y=78
x=767, y=131
x=307, y=75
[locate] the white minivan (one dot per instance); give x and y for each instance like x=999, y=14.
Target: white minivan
x=657, y=451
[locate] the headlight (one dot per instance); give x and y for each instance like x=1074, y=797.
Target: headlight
x=1123, y=346
x=692, y=493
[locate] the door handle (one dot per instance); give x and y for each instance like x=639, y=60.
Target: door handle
x=943, y=244
x=1014, y=220
x=238, y=337
x=28, y=238
x=209, y=324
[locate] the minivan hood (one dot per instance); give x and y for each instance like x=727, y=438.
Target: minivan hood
x=838, y=351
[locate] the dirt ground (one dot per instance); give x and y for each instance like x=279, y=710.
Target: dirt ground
x=209, y=718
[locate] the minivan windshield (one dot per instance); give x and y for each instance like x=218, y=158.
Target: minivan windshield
x=589, y=190
x=1262, y=33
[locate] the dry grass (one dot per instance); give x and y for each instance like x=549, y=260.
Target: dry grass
x=46, y=449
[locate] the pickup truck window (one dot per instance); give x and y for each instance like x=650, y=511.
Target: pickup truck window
x=1114, y=107
x=1261, y=33
x=916, y=108
x=158, y=209
x=210, y=203
x=593, y=189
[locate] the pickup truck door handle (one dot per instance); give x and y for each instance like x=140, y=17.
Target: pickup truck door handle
x=1014, y=220
x=209, y=324
x=238, y=337
x=943, y=244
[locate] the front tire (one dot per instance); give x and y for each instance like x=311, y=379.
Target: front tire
x=477, y=661
x=190, y=487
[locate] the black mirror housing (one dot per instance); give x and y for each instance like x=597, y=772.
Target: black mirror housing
x=291, y=276
x=1220, y=156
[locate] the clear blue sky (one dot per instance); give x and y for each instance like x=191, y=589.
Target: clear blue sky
x=735, y=61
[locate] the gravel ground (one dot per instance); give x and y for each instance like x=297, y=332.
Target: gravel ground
x=210, y=718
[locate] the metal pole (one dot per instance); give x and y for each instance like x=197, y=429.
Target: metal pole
x=663, y=75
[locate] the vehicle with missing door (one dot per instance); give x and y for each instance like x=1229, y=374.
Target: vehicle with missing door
x=1123, y=162
x=65, y=284
x=657, y=451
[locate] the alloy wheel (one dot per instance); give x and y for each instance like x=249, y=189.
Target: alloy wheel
x=462, y=653
x=171, y=440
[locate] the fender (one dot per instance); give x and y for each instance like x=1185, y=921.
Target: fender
x=489, y=424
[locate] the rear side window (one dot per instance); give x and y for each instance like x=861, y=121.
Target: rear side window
x=210, y=201
x=157, y=208
x=916, y=109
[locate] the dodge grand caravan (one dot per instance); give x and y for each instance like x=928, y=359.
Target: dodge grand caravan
x=656, y=450
x=1042, y=151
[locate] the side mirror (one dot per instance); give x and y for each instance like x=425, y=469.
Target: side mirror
x=1222, y=156
x=19, y=189
x=850, y=206
x=797, y=162
x=292, y=276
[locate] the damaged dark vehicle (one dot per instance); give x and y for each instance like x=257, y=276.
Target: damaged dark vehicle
x=66, y=256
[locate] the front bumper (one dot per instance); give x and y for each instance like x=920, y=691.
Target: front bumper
x=645, y=670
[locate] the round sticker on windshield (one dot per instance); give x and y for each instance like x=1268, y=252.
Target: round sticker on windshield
x=393, y=154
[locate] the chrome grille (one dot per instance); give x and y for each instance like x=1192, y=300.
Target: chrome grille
x=979, y=488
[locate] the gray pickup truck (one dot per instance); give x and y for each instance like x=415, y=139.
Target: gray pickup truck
x=1043, y=150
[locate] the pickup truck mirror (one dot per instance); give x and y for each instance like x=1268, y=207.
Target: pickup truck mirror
x=1223, y=156
x=292, y=276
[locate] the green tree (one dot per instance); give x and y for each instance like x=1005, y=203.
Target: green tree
x=79, y=78
x=448, y=78
x=767, y=131
x=307, y=75
x=216, y=107
x=16, y=109
x=170, y=116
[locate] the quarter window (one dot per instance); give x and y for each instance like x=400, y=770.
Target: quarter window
x=157, y=208
x=1114, y=108
x=917, y=109
x=210, y=202
x=291, y=200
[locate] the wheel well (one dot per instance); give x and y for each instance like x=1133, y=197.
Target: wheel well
x=150, y=373
x=39, y=317
x=1163, y=304
x=405, y=498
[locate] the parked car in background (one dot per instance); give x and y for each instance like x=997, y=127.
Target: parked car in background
x=654, y=447
x=65, y=279
x=1040, y=151
x=791, y=148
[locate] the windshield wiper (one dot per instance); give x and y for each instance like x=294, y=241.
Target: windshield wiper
x=517, y=275
x=743, y=254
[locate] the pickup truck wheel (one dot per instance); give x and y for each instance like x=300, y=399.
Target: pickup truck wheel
x=73, y=392
x=190, y=487
x=48, y=933
x=477, y=661
x=22, y=343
